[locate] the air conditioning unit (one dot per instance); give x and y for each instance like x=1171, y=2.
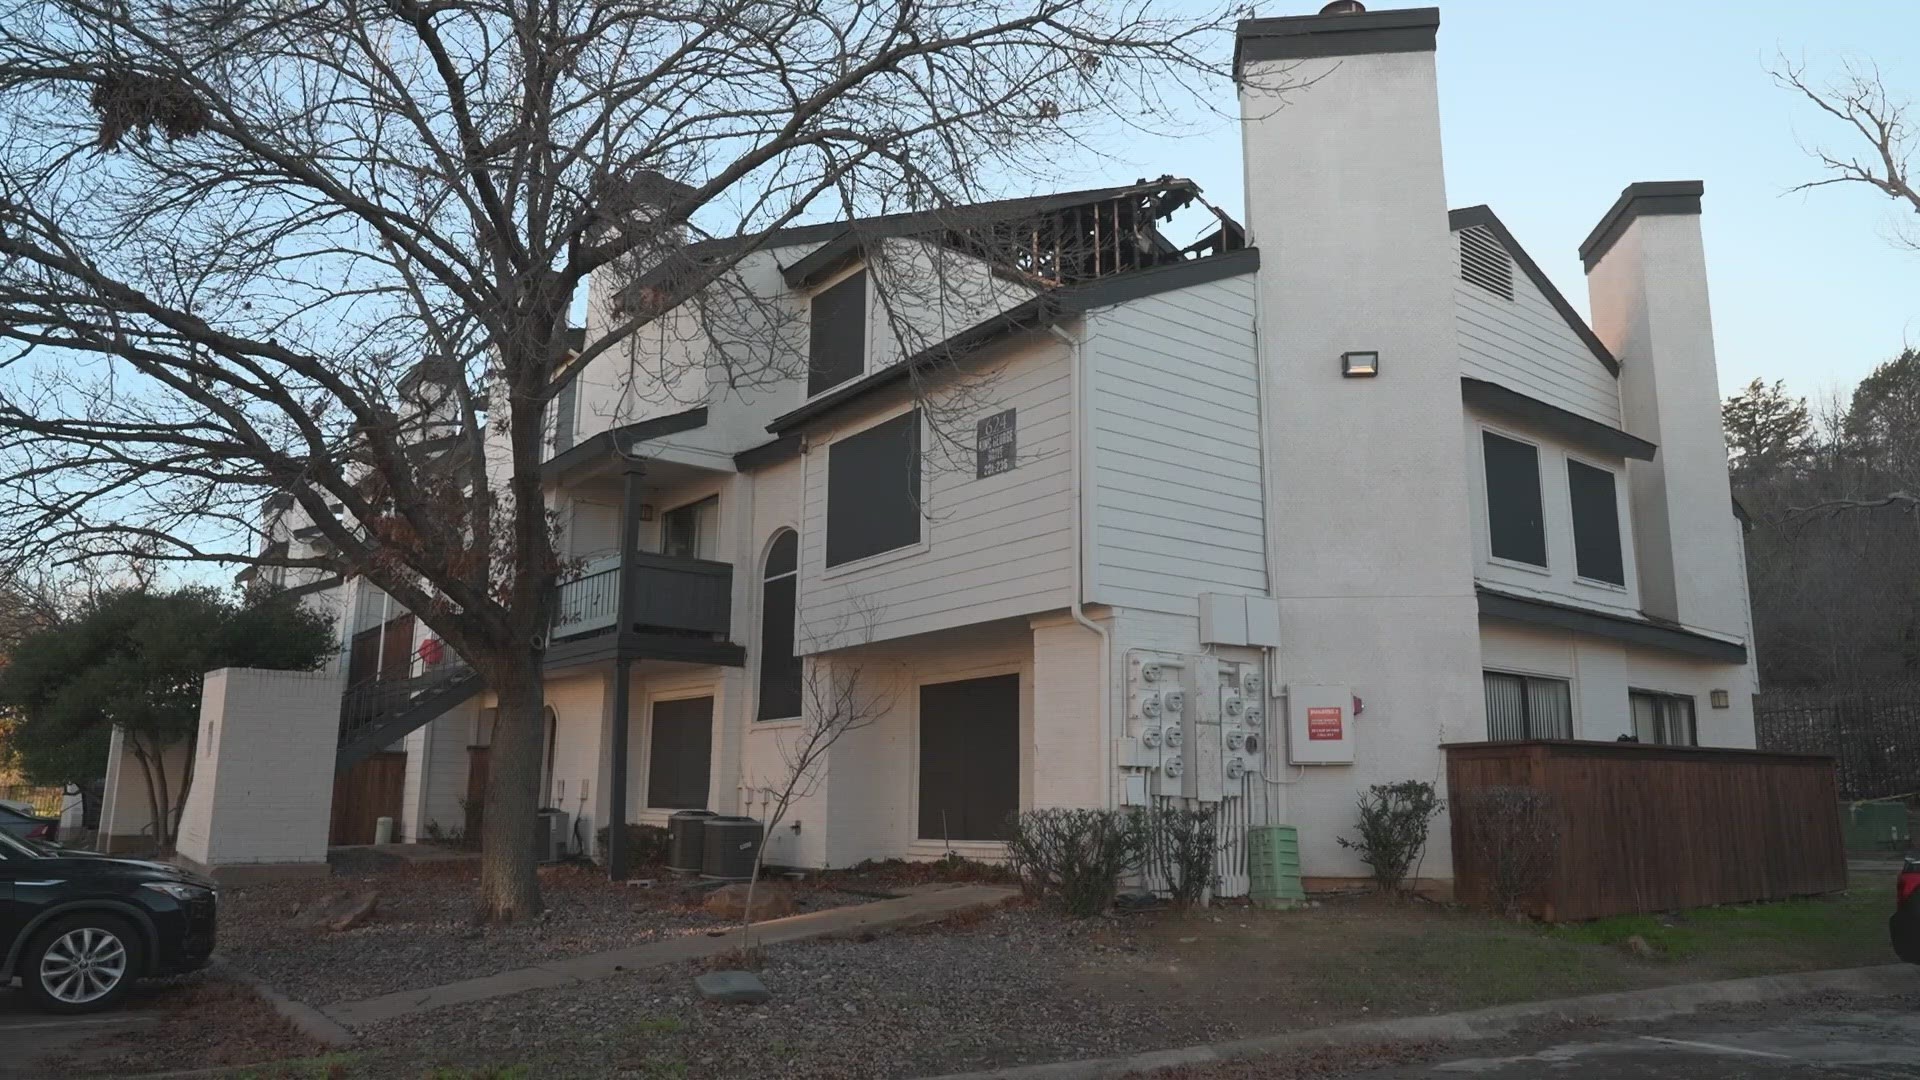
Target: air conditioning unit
x=552, y=834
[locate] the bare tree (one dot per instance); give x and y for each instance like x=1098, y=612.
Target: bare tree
x=230, y=231
x=839, y=695
x=1879, y=126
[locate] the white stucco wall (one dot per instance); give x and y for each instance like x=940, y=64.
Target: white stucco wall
x=1368, y=494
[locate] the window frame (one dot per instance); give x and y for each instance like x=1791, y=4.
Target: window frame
x=691, y=504
x=1544, y=567
x=712, y=696
x=865, y=322
x=1693, y=714
x=921, y=515
x=1619, y=524
x=768, y=578
x=1525, y=677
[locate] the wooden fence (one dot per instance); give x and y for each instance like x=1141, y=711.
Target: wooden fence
x=372, y=789
x=1872, y=732
x=1639, y=828
x=46, y=800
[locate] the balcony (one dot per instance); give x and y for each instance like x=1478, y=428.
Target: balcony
x=681, y=610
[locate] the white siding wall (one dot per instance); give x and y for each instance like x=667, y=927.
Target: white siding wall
x=920, y=294
x=989, y=548
x=1523, y=344
x=1558, y=582
x=437, y=768
x=579, y=766
x=1176, y=459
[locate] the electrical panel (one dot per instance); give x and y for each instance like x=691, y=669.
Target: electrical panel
x=1196, y=725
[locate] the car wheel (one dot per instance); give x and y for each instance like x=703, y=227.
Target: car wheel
x=81, y=963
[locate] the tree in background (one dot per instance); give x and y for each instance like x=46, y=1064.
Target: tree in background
x=1768, y=432
x=228, y=233
x=134, y=660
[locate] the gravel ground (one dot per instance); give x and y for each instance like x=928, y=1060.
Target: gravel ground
x=974, y=992
x=423, y=933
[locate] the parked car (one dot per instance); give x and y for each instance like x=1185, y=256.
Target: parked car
x=1905, y=924
x=19, y=819
x=78, y=928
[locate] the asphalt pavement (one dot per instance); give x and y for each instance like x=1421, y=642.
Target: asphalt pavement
x=1878, y=1039
x=28, y=1036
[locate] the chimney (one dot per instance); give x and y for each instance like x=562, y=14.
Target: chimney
x=1647, y=288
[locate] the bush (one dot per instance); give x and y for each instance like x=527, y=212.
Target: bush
x=1180, y=849
x=1514, y=833
x=1393, y=829
x=1074, y=858
x=646, y=844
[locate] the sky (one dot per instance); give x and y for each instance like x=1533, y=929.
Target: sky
x=1550, y=107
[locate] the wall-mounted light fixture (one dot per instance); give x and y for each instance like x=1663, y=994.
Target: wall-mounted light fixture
x=1359, y=365
x=1719, y=698
x=646, y=511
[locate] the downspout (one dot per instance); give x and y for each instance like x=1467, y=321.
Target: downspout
x=1080, y=438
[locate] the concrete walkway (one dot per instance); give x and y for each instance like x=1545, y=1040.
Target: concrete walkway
x=912, y=910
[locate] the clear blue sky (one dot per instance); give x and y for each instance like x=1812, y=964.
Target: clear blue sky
x=1549, y=108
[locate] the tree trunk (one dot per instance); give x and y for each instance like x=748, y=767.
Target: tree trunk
x=509, y=884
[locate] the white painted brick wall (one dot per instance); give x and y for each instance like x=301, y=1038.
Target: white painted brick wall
x=263, y=785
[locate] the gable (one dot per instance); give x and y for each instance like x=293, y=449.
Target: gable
x=1531, y=341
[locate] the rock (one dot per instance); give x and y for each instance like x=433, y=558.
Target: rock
x=770, y=901
x=731, y=987
x=341, y=909
x=1638, y=946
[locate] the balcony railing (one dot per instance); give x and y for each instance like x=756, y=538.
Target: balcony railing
x=669, y=593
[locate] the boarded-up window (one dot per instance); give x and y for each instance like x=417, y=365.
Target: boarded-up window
x=1528, y=707
x=873, y=490
x=1596, y=524
x=1514, y=522
x=969, y=758
x=779, y=668
x=1663, y=718
x=837, y=336
x=680, y=754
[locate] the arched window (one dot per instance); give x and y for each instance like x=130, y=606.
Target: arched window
x=779, y=667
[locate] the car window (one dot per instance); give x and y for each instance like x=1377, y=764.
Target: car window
x=14, y=848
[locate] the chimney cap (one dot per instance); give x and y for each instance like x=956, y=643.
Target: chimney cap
x=1648, y=198
x=1343, y=28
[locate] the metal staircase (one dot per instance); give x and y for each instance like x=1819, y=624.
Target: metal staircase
x=377, y=715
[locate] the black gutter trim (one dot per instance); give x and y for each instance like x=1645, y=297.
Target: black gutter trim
x=821, y=263
x=1576, y=429
x=1648, y=198
x=1484, y=216
x=1306, y=37
x=1038, y=313
x=1641, y=631
x=607, y=444
x=784, y=448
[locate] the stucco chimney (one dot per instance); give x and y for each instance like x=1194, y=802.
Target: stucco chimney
x=1647, y=288
x=1372, y=545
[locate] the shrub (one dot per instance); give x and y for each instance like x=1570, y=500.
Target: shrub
x=1180, y=848
x=646, y=844
x=1074, y=858
x=1393, y=829
x=1514, y=834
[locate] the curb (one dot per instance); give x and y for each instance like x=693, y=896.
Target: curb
x=1501, y=1020
x=308, y=1020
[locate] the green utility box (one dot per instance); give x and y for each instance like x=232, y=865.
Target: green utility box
x=1875, y=826
x=1273, y=864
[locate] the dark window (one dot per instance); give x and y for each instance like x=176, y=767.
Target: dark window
x=837, y=345
x=680, y=754
x=1513, y=501
x=969, y=758
x=779, y=668
x=692, y=531
x=1596, y=524
x=873, y=490
x=1528, y=707
x=566, y=406
x=1663, y=718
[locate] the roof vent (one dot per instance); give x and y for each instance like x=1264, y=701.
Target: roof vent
x=1484, y=261
x=1344, y=7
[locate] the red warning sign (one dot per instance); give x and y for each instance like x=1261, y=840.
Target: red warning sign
x=1324, y=723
